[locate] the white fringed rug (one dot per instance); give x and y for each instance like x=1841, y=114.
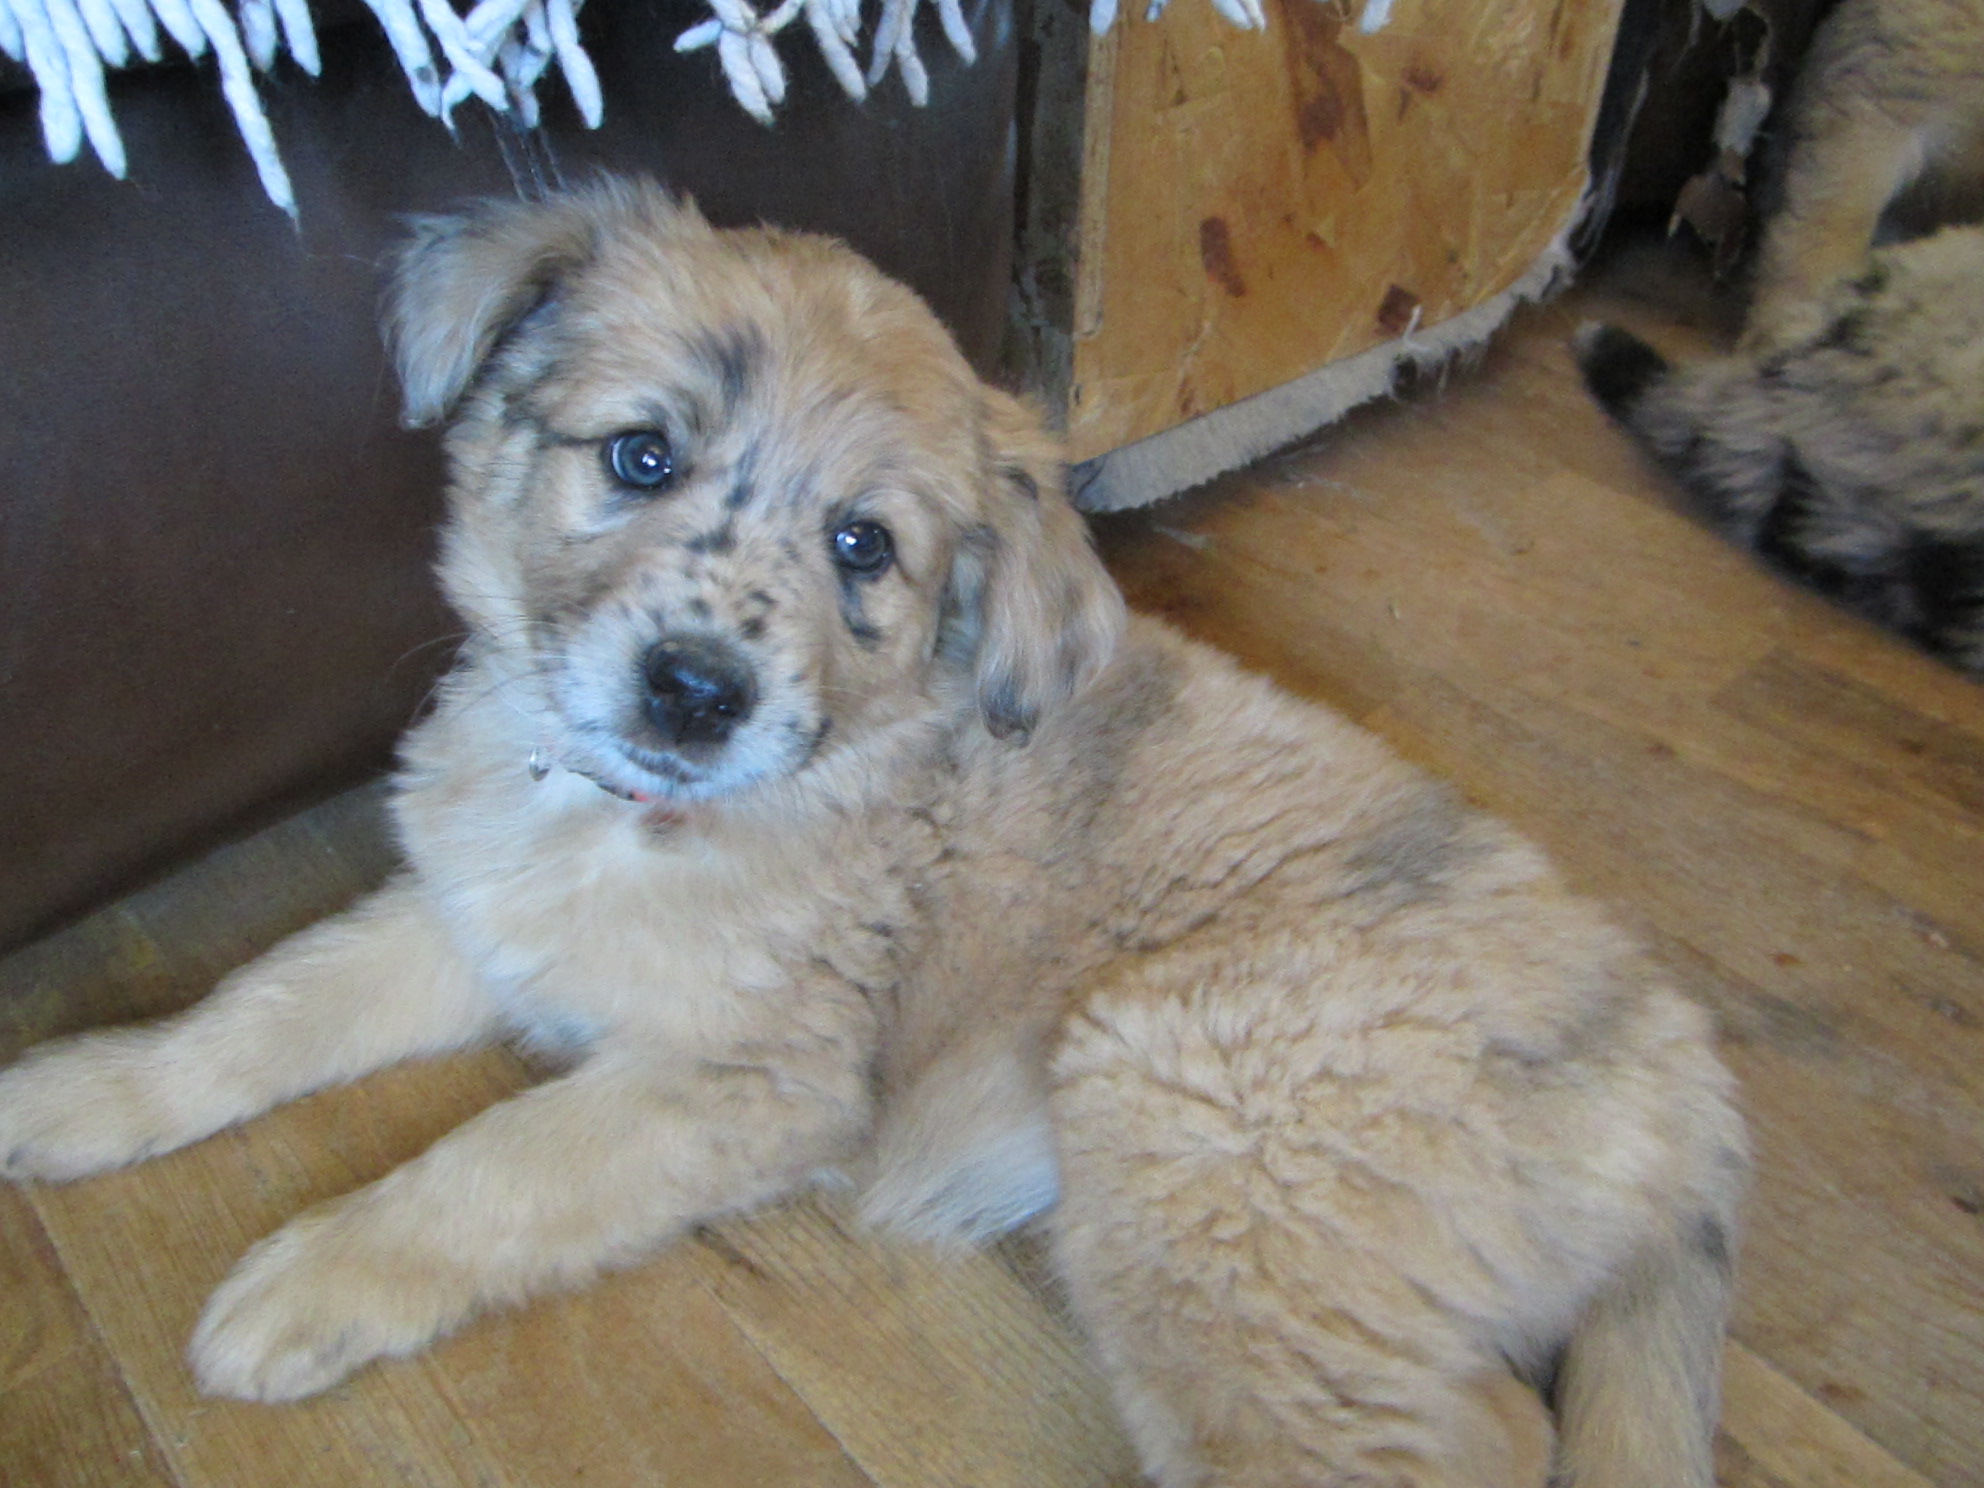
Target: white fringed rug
x=497, y=52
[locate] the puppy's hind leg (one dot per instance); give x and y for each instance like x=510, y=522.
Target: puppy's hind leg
x=1639, y=1388
x=1238, y=1283
x=376, y=984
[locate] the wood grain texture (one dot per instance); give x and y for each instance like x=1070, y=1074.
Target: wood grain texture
x=1784, y=801
x=1258, y=204
x=66, y=1420
x=931, y=1368
x=1786, y=1436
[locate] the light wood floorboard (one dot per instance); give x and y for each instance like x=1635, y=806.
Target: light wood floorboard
x=1789, y=805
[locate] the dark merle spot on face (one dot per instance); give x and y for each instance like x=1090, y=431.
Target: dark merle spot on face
x=751, y=627
x=743, y=481
x=1006, y=715
x=507, y=358
x=719, y=540
x=815, y=739
x=516, y=413
x=729, y=357
x=854, y=616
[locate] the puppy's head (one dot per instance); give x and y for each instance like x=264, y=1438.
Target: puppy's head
x=731, y=502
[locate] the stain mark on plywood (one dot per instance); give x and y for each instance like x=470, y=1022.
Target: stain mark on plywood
x=1327, y=83
x=1397, y=311
x=1216, y=253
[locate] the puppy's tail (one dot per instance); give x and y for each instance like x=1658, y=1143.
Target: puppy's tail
x=1708, y=426
x=1639, y=1388
x=1648, y=399
x=1618, y=368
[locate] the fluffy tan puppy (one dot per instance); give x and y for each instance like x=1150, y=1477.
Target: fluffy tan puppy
x=803, y=773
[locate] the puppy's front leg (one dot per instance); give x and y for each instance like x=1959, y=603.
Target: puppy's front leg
x=543, y=1190
x=378, y=983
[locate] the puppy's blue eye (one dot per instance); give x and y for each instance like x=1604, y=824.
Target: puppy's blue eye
x=864, y=547
x=641, y=458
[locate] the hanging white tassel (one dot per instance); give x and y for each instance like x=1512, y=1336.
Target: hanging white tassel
x=460, y=51
x=106, y=33
x=299, y=34
x=909, y=67
x=836, y=31
x=750, y=63
x=86, y=83
x=177, y=18
x=409, y=44
x=138, y=23
x=41, y=49
x=893, y=25
x=742, y=38
x=260, y=35
x=525, y=55
x=12, y=43
x=237, y=86
x=562, y=16
x=956, y=31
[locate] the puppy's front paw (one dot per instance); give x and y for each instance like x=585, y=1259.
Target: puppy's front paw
x=81, y=1106
x=315, y=1301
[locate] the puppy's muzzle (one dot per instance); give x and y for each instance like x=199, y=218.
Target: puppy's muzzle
x=698, y=691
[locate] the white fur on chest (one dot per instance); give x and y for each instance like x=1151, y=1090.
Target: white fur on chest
x=582, y=918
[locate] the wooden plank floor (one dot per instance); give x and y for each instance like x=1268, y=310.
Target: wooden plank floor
x=1790, y=806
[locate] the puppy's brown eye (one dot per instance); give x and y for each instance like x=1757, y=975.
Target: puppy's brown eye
x=864, y=547
x=641, y=458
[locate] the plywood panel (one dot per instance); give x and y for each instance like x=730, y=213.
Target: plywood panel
x=1258, y=204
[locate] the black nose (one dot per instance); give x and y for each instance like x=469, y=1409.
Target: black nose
x=698, y=690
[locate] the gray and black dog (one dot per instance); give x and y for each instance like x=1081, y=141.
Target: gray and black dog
x=1851, y=459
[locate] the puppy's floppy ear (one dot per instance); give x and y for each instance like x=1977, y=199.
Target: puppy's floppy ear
x=462, y=281
x=1032, y=607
